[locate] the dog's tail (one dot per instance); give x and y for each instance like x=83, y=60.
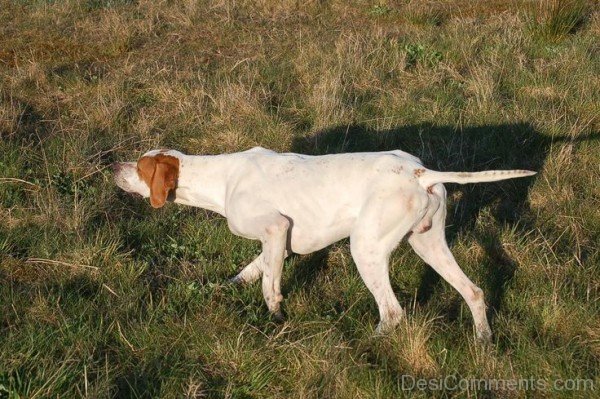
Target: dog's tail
x=427, y=178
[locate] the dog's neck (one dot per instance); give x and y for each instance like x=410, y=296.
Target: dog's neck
x=203, y=181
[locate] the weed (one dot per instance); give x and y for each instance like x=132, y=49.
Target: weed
x=379, y=10
x=417, y=53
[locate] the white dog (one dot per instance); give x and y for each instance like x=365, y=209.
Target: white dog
x=300, y=203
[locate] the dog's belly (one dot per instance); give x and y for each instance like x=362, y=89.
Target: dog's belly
x=308, y=238
x=314, y=228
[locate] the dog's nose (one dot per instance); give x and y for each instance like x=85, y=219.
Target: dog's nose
x=116, y=167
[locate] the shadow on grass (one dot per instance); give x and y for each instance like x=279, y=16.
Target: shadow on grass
x=306, y=270
x=502, y=146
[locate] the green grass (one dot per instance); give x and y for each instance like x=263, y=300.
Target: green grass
x=102, y=296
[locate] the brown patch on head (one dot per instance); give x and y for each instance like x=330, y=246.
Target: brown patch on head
x=160, y=173
x=419, y=172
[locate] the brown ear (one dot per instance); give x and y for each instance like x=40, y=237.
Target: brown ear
x=145, y=169
x=160, y=173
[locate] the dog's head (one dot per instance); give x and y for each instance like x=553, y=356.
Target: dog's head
x=154, y=175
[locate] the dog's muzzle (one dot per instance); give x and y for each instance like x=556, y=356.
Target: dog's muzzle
x=117, y=167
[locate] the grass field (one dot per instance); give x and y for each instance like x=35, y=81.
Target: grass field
x=102, y=296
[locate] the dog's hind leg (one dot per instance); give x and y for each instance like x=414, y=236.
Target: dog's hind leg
x=432, y=247
x=372, y=264
x=382, y=223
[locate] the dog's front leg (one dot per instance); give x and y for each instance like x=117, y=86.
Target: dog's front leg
x=274, y=241
x=271, y=228
x=251, y=272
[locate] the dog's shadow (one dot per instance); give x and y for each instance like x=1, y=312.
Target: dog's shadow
x=444, y=148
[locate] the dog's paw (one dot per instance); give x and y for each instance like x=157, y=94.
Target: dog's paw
x=237, y=280
x=391, y=322
x=278, y=316
x=484, y=337
x=386, y=328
